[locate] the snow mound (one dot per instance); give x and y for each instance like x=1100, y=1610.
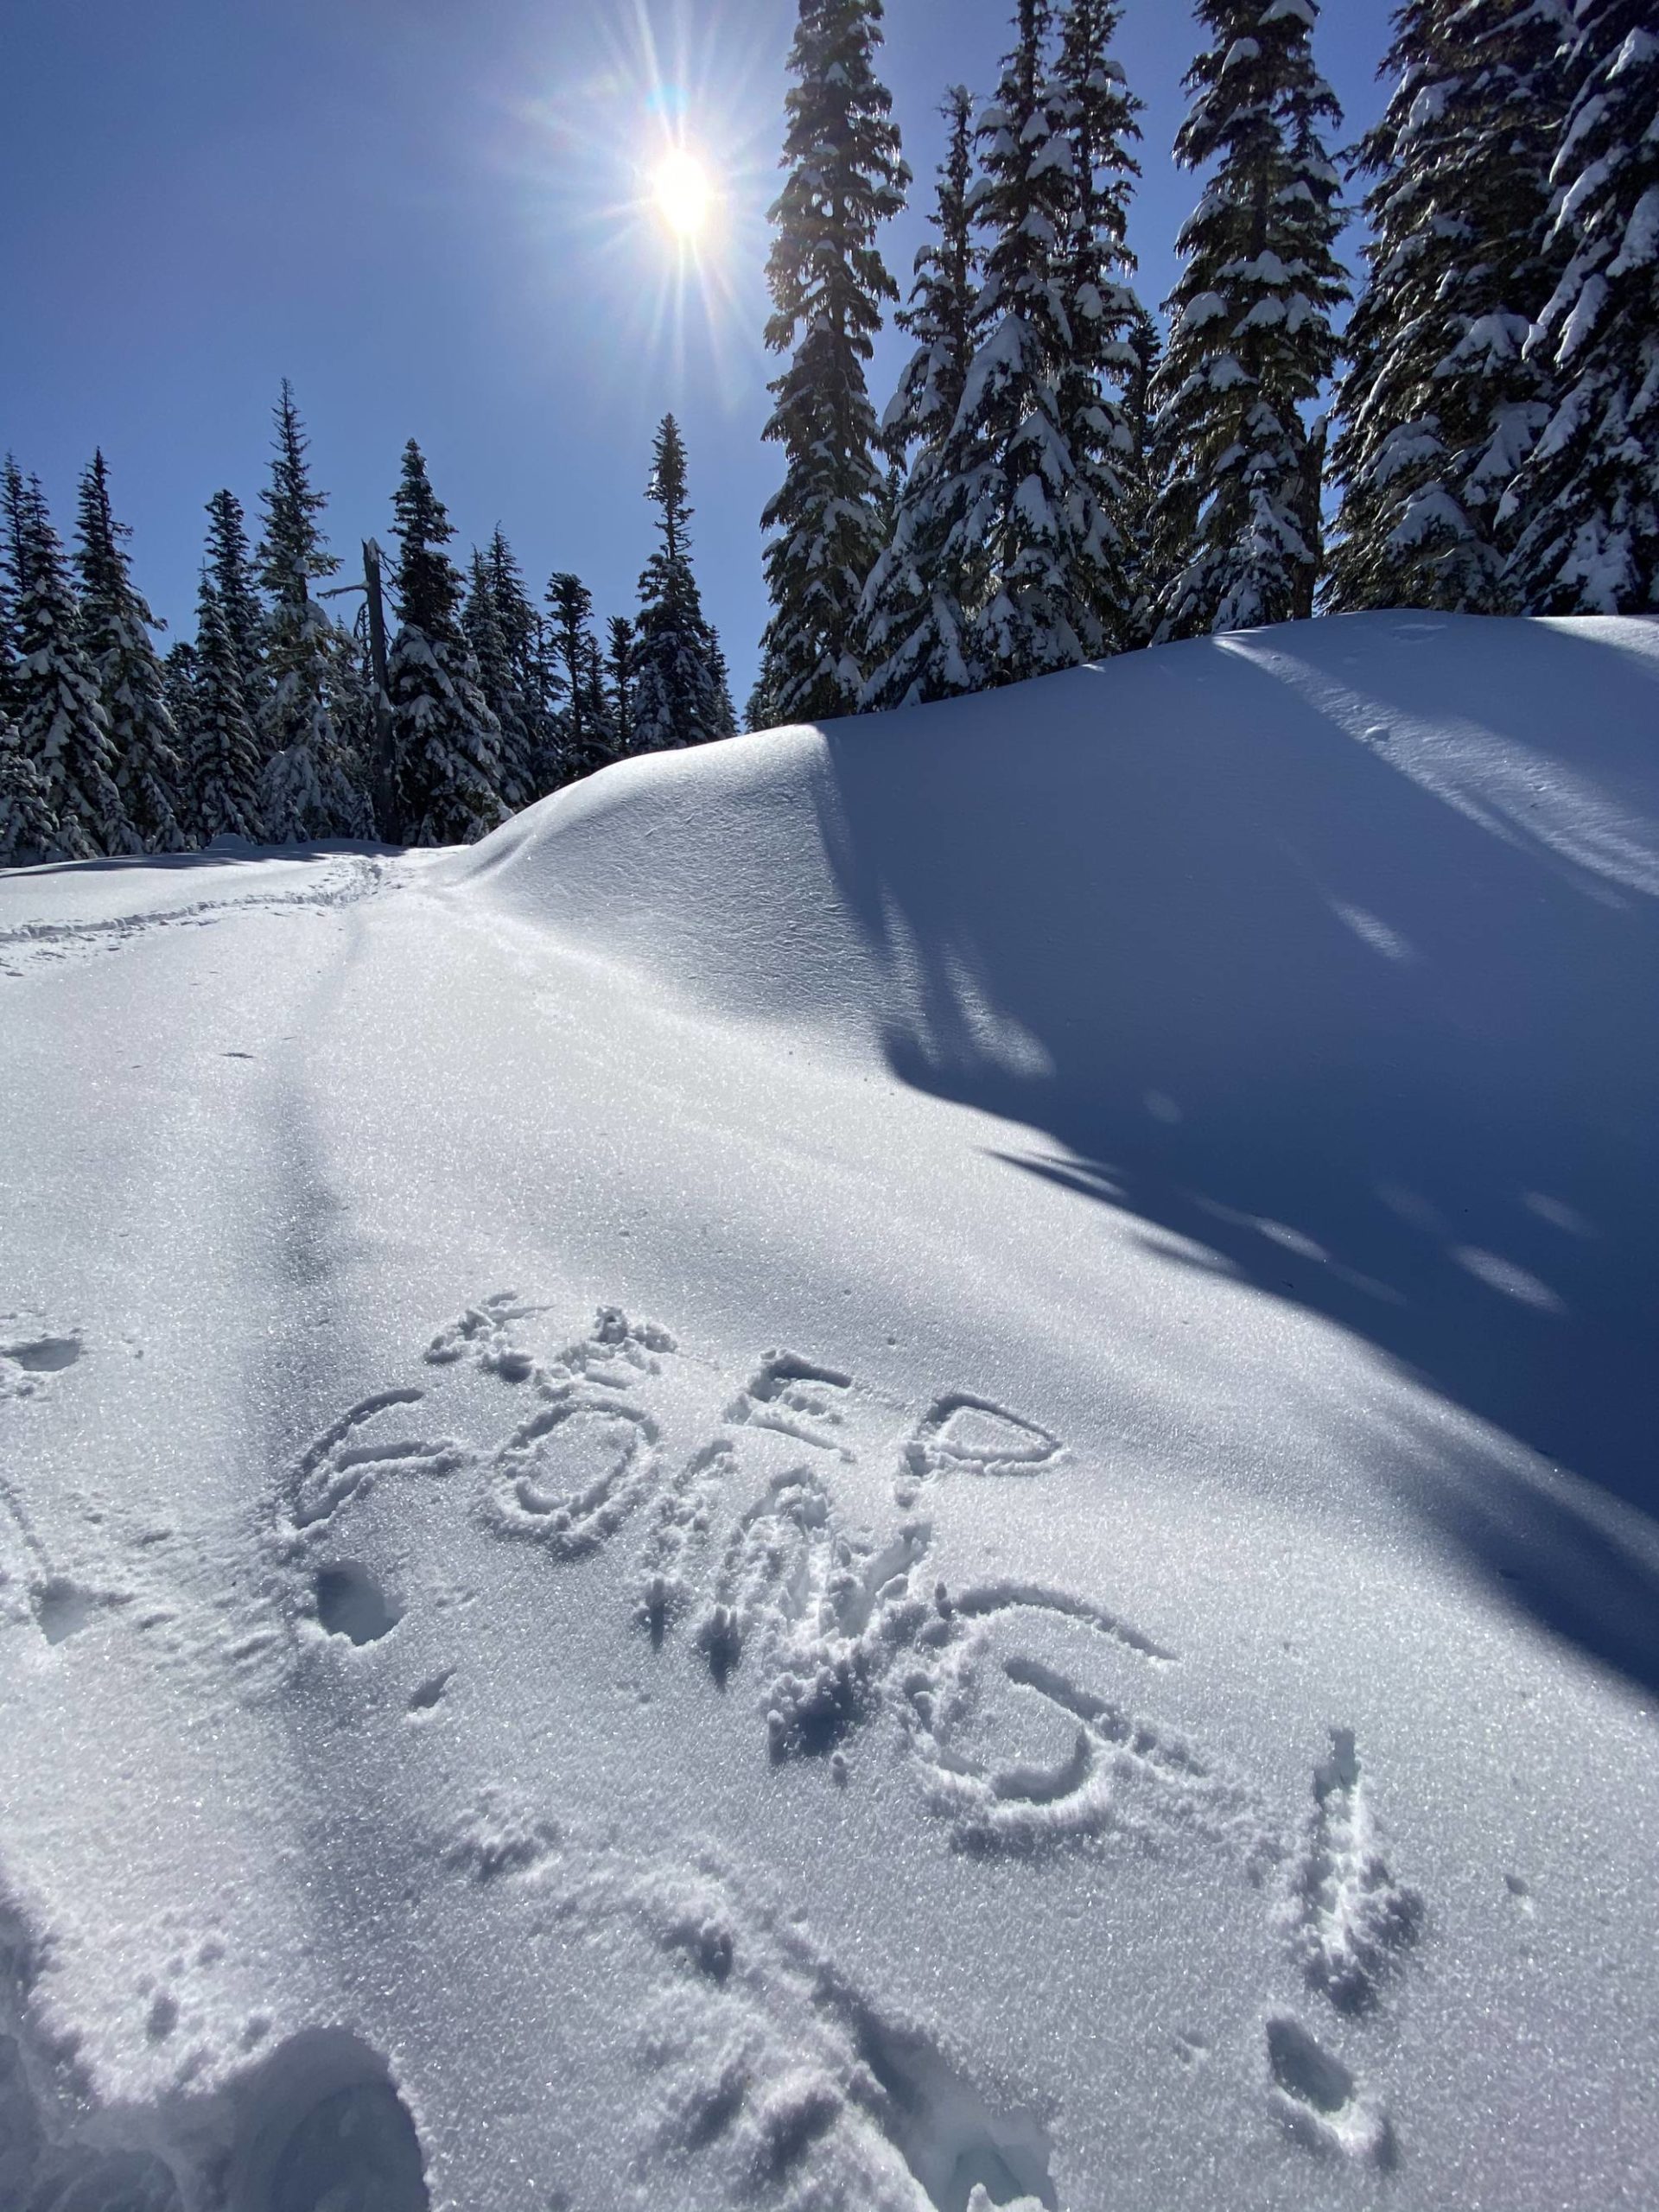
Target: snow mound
x=1333, y=947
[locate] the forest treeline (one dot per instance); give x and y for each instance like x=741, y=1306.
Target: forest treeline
x=1060, y=475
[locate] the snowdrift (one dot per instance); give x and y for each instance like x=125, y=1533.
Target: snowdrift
x=1334, y=948
x=897, y=1469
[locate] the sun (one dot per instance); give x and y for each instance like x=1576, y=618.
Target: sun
x=684, y=192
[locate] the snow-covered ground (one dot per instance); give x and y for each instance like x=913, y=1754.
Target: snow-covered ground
x=907, y=1467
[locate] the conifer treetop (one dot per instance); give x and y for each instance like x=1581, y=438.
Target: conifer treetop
x=293, y=553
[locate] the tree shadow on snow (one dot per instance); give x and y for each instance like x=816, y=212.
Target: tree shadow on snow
x=1335, y=953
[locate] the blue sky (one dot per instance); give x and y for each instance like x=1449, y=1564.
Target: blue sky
x=428, y=216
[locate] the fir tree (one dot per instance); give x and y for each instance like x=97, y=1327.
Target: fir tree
x=1588, y=502
x=224, y=748
x=680, y=696
x=446, y=743
x=1028, y=506
x=498, y=670
x=596, y=703
x=1440, y=404
x=182, y=688
x=11, y=485
x=584, y=734
x=312, y=783
x=828, y=282
x=915, y=628
x=762, y=711
x=230, y=565
x=29, y=828
x=1103, y=315
x=116, y=626
x=61, y=727
x=1250, y=341
x=530, y=738
x=1146, y=569
x=619, y=670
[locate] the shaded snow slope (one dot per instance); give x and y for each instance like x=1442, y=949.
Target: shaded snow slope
x=904, y=1467
x=1333, y=948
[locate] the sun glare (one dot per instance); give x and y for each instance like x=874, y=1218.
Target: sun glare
x=684, y=192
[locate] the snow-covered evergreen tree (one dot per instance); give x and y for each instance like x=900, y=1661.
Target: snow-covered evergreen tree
x=224, y=765
x=762, y=711
x=828, y=282
x=619, y=680
x=915, y=627
x=313, y=784
x=1145, y=343
x=1026, y=506
x=585, y=736
x=230, y=565
x=11, y=485
x=679, y=697
x=1250, y=341
x=498, y=673
x=116, y=626
x=29, y=828
x=60, y=726
x=1101, y=311
x=446, y=743
x=1440, y=403
x=182, y=688
x=1588, y=502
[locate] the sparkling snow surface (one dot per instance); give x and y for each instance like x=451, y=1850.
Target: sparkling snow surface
x=904, y=1468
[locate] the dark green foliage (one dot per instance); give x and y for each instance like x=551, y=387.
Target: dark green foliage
x=680, y=692
x=1103, y=316
x=1250, y=341
x=446, y=743
x=828, y=282
x=1587, y=502
x=1441, y=403
x=116, y=626
x=229, y=566
x=507, y=641
x=60, y=726
x=224, y=748
x=1030, y=520
x=915, y=630
x=585, y=731
x=619, y=680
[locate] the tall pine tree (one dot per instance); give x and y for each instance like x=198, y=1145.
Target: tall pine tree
x=116, y=626
x=29, y=828
x=1103, y=313
x=1028, y=506
x=446, y=743
x=585, y=737
x=916, y=626
x=828, y=282
x=529, y=737
x=1440, y=403
x=1250, y=341
x=61, y=725
x=619, y=680
x=1588, y=502
x=680, y=696
x=230, y=565
x=313, y=784
x=497, y=679
x=223, y=752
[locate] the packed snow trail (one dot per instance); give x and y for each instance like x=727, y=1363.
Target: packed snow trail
x=738, y=1501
